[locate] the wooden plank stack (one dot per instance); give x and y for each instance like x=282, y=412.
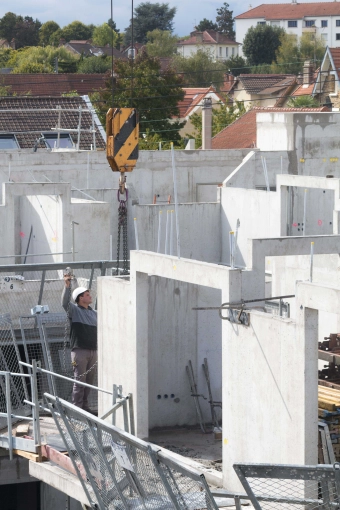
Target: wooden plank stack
x=329, y=412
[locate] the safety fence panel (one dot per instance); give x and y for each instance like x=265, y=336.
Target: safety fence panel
x=9, y=362
x=273, y=487
x=119, y=471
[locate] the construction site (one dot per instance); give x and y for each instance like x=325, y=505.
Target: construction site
x=215, y=275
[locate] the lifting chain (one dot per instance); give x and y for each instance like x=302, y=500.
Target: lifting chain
x=122, y=226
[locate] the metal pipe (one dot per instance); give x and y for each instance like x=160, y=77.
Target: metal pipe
x=311, y=261
x=9, y=414
x=74, y=381
x=231, y=246
x=125, y=416
x=114, y=408
x=171, y=251
x=114, y=401
x=132, y=415
x=136, y=233
x=35, y=408
x=59, y=120
x=41, y=290
x=304, y=212
x=237, y=303
x=176, y=199
x=159, y=231
x=73, y=246
x=94, y=131
x=166, y=233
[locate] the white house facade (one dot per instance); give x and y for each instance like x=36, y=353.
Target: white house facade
x=217, y=45
x=321, y=18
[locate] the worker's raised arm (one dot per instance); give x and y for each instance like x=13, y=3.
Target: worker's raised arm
x=66, y=295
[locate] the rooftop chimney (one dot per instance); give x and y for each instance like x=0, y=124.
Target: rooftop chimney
x=206, y=123
x=308, y=70
x=199, y=37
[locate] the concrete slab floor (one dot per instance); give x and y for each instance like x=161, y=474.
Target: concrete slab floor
x=203, y=448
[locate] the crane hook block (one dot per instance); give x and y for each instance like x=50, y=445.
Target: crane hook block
x=122, y=132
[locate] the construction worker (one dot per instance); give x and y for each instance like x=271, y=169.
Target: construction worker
x=83, y=339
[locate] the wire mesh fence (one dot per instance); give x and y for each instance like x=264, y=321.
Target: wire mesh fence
x=45, y=336
x=9, y=362
x=120, y=471
x=271, y=487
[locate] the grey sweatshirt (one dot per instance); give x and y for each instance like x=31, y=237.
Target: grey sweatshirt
x=83, y=334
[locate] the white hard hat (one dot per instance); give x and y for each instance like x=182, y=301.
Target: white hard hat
x=77, y=291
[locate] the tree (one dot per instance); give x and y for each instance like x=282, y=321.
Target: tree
x=148, y=17
x=113, y=25
x=222, y=116
x=91, y=65
x=46, y=30
x=104, y=35
x=37, y=59
x=293, y=51
x=155, y=93
x=206, y=24
x=5, y=56
x=26, y=32
x=199, y=70
x=236, y=65
x=76, y=31
x=303, y=102
x=225, y=21
x=161, y=43
x=7, y=26
x=261, y=43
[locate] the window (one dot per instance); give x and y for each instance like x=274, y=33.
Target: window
x=337, y=37
x=261, y=22
x=324, y=23
x=220, y=51
x=232, y=51
x=337, y=23
x=8, y=142
x=51, y=140
x=226, y=51
x=292, y=23
x=310, y=23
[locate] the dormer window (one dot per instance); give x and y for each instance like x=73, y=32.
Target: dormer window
x=8, y=141
x=51, y=140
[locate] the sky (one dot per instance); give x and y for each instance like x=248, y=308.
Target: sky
x=189, y=12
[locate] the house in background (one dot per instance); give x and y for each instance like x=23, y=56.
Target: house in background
x=326, y=87
x=193, y=102
x=264, y=89
x=219, y=46
x=88, y=49
x=321, y=18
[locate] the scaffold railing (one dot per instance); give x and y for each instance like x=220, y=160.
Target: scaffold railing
x=120, y=471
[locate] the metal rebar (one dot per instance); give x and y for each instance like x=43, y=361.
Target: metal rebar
x=35, y=407
x=159, y=231
x=176, y=200
x=304, y=212
x=166, y=233
x=311, y=261
x=41, y=290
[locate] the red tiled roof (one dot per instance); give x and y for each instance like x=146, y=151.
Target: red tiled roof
x=292, y=10
x=208, y=37
x=52, y=84
x=241, y=134
x=335, y=52
x=257, y=83
x=192, y=98
x=29, y=124
x=303, y=90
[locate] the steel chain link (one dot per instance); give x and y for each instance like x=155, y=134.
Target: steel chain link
x=122, y=226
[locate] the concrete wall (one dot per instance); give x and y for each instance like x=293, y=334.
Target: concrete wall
x=49, y=209
x=199, y=228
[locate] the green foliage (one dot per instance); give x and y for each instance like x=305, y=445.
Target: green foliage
x=153, y=142
x=161, y=43
x=42, y=60
x=91, y=65
x=147, y=17
x=303, y=102
x=261, y=43
x=46, y=31
x=225, y=21
x=141, y=84
x=5, y=56
x=222, y=116
x=236, y=65
x=71, y=93
x=206, y=24
x=113, y=25
x=77, y=31
x=25, y=30
x=103, y=35
x=200, y=70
